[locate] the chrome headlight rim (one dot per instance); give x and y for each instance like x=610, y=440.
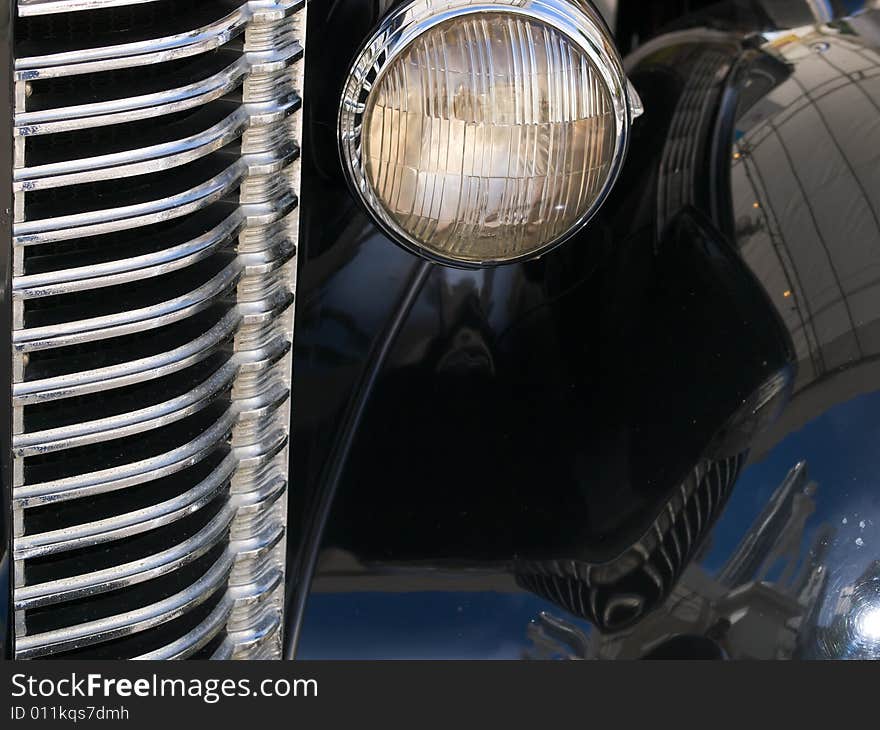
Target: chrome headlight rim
x=577, y=20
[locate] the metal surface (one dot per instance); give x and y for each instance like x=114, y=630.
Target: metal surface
x=576, y=21
x=41, y=7
x=7, y=13
x=576, y=394
x=154, y=271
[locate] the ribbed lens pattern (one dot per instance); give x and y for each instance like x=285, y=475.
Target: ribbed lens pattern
x=488, y=138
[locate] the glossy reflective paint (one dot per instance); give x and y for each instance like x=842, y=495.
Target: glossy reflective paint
x=655, y=441
x=806, y=198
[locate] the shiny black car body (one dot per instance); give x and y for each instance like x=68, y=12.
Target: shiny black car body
x=657, y=440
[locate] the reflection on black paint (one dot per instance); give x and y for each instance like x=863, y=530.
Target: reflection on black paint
x=554, y=441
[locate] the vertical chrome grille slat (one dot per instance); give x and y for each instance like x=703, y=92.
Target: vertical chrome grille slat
x=152, y=335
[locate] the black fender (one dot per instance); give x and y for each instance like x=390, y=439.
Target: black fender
x=585, y=445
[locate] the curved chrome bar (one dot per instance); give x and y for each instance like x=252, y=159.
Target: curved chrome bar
x=154, y=50
x=85, y=433
x=134, y=320
x=127, y=373
x=128, y=523
x=118, y=477
x=131, y=216
x=131, y=108
x=136, y=268
x=126, y=475
x=28, y=8
x=191, y=642
x=128, y=622
x=119, y=576
x=132, y=163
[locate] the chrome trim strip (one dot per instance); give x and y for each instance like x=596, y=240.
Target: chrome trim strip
x=161, y=103
x=123, y=271
x=145, y=160
x=198, y=637
x=134, y=320
x=136, y=162
x=190, y=643
x=156, y=50
x=85, y=433
x=254, y=551
x=130, y=622
x=128, y=523
x=146, y=470
x=119, y=576
x=250, y=592
x=28, y=8
x=126, y=475
x=251, y=503
x=134, y=371
x=132, y=108
x=96, y=222
x=131, y=216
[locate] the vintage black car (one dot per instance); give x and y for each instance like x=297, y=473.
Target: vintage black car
x=440, y=329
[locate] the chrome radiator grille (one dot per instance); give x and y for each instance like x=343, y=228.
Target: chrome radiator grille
x=156, y=179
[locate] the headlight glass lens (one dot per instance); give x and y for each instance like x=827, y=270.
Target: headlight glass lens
x=489, y=137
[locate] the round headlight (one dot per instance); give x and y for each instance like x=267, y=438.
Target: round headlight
x=486, y=132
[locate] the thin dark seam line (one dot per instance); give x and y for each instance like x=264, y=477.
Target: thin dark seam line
x=826, y=376
x=831, y=265
x=841, y=80
x=856, y=290
x=808, y=323
x=791, y=274
x=871, y=100
x=857, y=82
x=791, y=114
x=845, y=159
x=299, y=581
x=863, y=53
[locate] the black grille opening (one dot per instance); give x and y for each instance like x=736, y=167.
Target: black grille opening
x=80, y=144
x=125, y=83
x=109, y=194
x=129, y=243
x=125, y=297
x=59, y=32
x=130, y=598
x=117, y=453
x=104, y=353
x=107, y=403
x=130, y=499
x=150, y=640
x=90, y=559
